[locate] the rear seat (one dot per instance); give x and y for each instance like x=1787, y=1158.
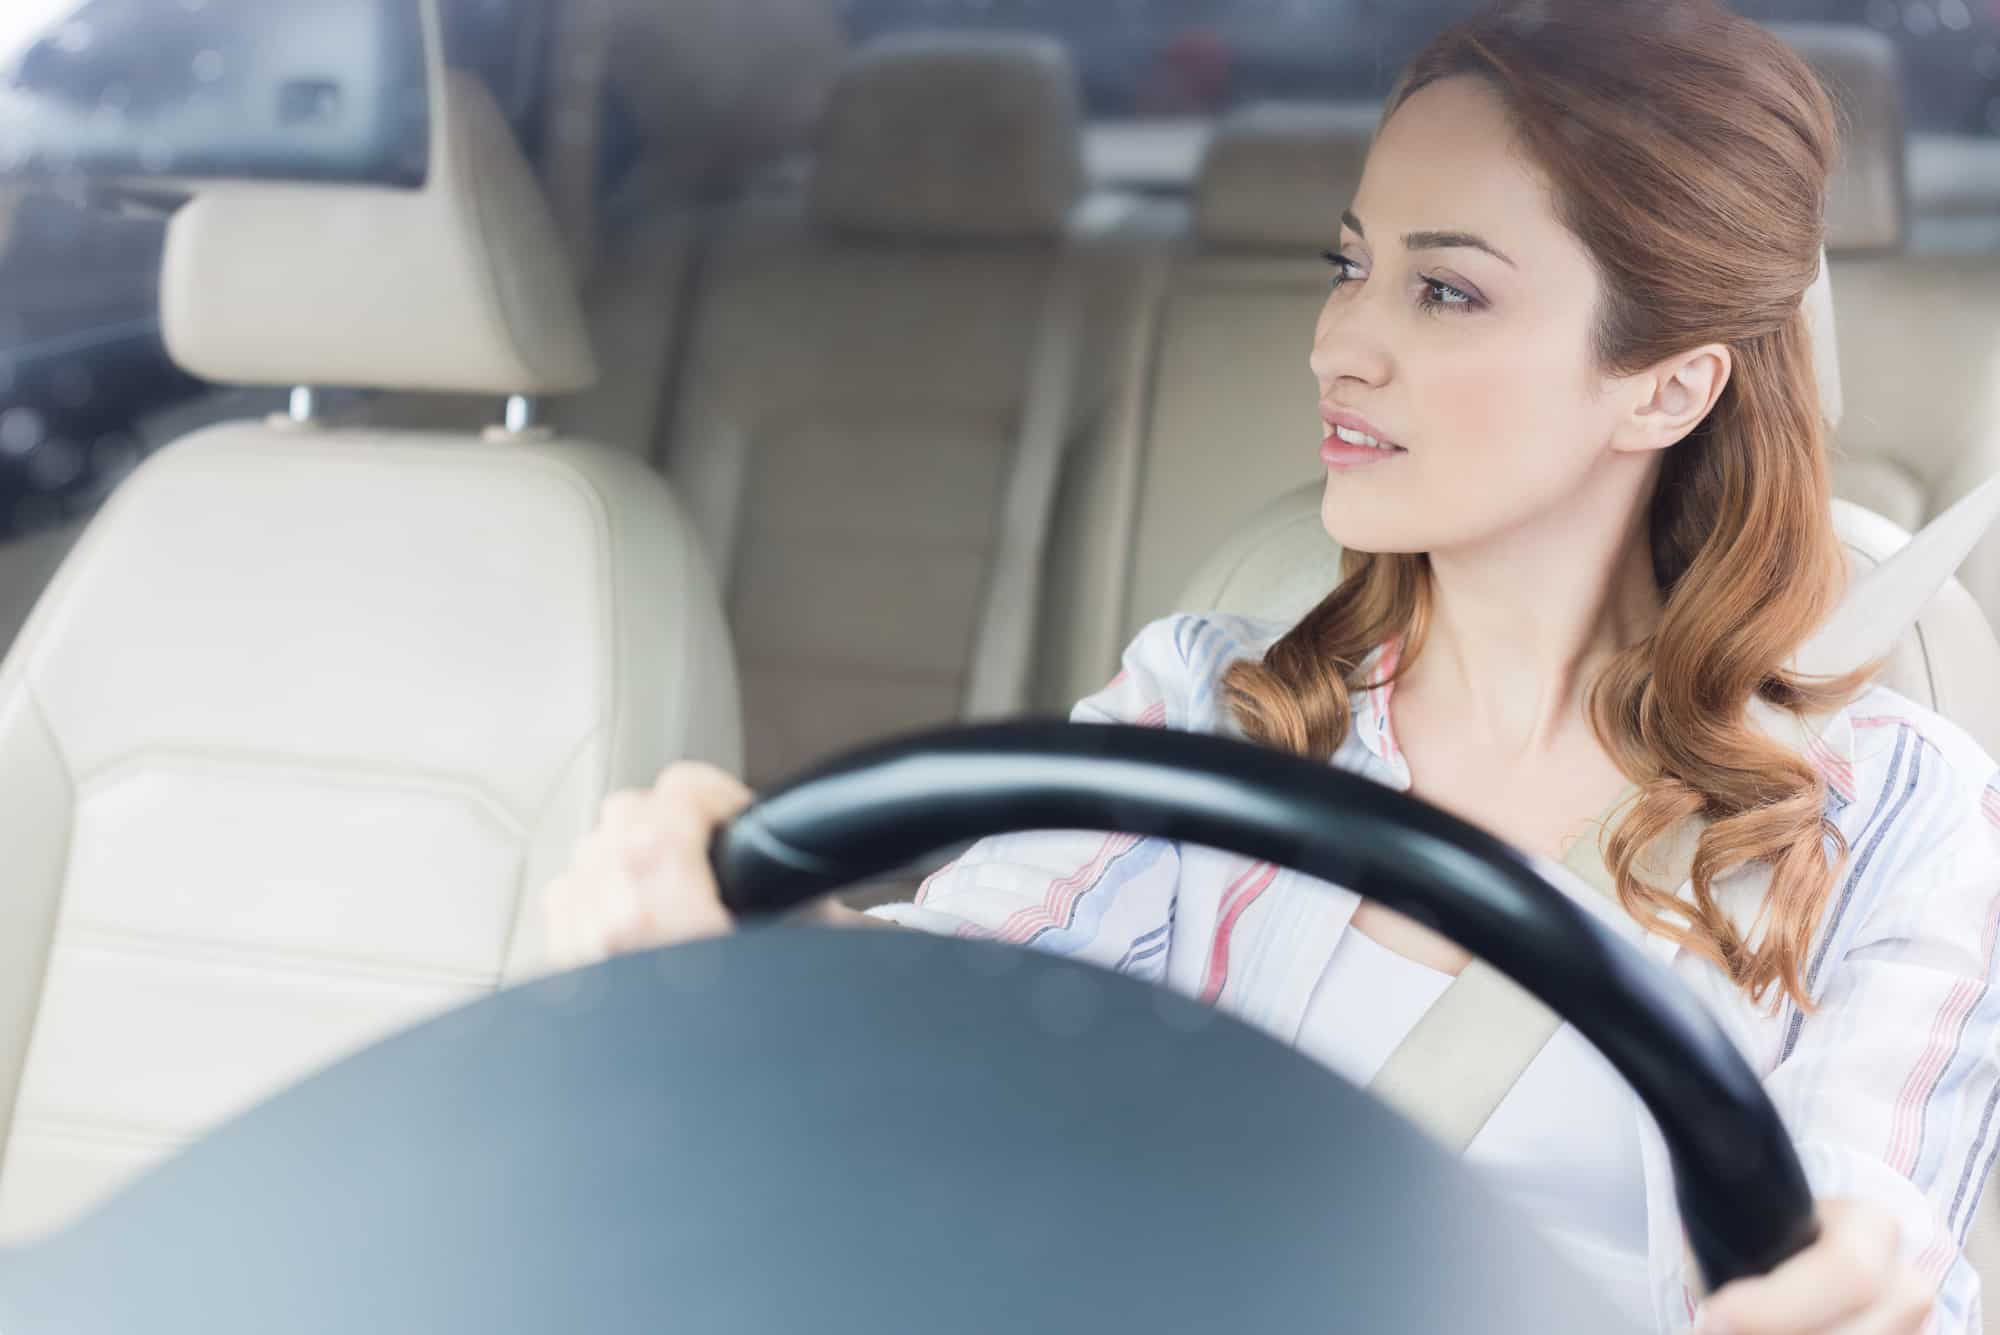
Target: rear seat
x=1232, y=421
x=858, y=368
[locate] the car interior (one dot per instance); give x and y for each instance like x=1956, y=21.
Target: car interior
x=502, y=492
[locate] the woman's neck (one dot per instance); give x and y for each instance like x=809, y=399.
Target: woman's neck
x=1521, y=623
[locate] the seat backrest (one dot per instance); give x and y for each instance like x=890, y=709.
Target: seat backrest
x=309, y=715
x=857, y=372
x=1231, y=419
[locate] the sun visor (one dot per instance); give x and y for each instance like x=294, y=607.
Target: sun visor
x=307, y=90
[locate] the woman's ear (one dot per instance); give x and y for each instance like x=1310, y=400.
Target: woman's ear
x=1674, y=396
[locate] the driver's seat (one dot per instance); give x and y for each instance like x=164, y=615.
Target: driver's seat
x=311, y=712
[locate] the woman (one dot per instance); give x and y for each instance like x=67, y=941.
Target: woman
x=1577, y=463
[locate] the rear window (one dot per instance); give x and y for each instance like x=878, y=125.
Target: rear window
x=1182, y=57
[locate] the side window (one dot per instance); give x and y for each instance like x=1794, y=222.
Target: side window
x=81, y=361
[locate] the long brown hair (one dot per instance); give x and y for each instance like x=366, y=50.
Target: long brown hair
x=1689, y=151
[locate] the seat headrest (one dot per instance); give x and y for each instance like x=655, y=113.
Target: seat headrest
x=1867, y=199
x=463, y=285
x=1277, y=174
x=952, y=135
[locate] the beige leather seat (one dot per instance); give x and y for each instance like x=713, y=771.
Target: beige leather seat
x=862, y=360
x=310, y=714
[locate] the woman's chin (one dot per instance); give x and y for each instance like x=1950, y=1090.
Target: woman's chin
x=1363, y=524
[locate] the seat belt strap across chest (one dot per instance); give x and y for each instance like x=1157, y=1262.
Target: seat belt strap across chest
x=1466, y=1052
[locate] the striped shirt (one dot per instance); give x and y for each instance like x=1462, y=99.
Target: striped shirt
x=1891, y=1089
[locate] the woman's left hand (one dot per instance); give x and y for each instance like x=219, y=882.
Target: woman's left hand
x=1851, y=1281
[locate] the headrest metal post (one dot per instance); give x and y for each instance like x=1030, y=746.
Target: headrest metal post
x=524, y=413
x=305, y=404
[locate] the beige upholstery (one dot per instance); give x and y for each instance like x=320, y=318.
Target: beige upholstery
x=850, y=403
x=1230, y=414
x=1920, y=360
x=1277, y=174
x=948, y=136
x=462, y=285
x=289, y=745
x=310, y=716
x=1867, y=199
x=1281, y=562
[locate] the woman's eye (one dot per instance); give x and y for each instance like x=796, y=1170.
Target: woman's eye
x=1344, y=269
x=1441, y=296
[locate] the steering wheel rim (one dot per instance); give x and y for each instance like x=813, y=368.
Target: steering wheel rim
x=1742, y=1191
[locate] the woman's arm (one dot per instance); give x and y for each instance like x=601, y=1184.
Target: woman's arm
x=1892, y=1089
x=641, y=877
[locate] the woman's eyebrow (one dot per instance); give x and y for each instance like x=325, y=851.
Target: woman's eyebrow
x=1449, y=240
x=1434, y=240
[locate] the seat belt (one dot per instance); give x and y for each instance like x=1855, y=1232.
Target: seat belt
x=996, y=683
x=1466, y=1052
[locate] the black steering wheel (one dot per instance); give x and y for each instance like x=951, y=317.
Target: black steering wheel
x=864, y=1131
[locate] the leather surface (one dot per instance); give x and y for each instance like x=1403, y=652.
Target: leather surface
x=1919, y=344
x=294, y=738
x=850, y=410
x=1278, y=174
x=463, y=285
x=952, y=135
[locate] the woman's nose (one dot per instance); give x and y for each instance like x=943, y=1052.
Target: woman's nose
x=1344, y=349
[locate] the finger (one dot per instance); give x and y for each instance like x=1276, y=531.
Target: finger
x=715, y=793
x=682, y=895
x=620, y=808
x=1833, y=1280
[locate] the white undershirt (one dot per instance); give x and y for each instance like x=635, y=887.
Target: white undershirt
x=1563, y=1146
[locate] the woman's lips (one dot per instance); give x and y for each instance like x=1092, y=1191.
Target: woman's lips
x=1337, y=453
x=1353, y=453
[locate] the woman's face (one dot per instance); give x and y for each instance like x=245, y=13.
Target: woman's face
x=1460, y=330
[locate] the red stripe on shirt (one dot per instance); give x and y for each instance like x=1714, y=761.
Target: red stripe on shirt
x=1240, y=895
x=1061, y=896
x=1839, y=774
x=1946, y=1031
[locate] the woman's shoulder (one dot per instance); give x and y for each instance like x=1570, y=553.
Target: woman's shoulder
x=1170, y=674
x=1894, y=761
